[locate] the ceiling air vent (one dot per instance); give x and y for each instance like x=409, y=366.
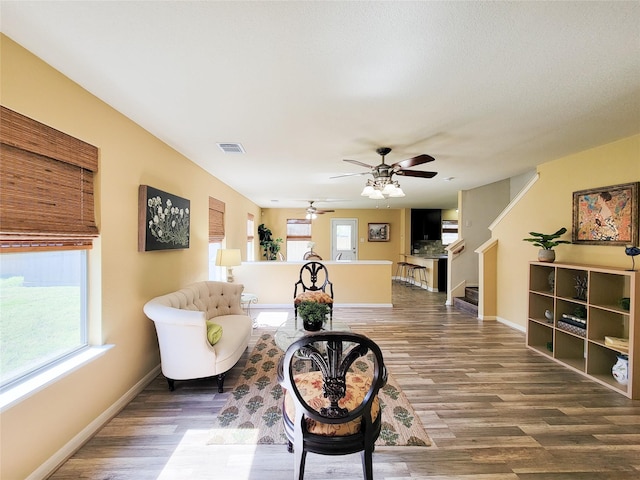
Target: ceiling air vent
x=230, y=147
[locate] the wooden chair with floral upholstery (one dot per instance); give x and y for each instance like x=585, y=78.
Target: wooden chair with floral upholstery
x=331, y=407
x=313, y=285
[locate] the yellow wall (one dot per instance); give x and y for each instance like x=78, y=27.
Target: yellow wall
x=546, y=207
x=123, y=279
x=276, y=221
x=274, y=282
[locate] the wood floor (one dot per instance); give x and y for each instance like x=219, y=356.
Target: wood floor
x=494, y=410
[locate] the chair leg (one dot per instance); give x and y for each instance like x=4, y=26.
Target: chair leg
x=220, y=382
x=300, y=458
x=172, y=384
x=367, y=464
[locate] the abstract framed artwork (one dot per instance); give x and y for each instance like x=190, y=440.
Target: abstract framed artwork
x=378, y=232
x=163, y=220
x=606, y=215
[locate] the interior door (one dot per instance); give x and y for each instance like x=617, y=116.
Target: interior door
x=344, y=238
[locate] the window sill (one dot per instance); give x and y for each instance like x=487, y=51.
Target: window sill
x=29, y=387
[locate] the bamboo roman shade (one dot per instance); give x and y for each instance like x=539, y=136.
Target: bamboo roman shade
x=46, y=186
x=298, y=229
x=216, y=220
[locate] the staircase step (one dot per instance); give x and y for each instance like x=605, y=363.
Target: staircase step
x=471, y=294
x=466, y=305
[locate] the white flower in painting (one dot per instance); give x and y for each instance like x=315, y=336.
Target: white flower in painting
x=168, y=223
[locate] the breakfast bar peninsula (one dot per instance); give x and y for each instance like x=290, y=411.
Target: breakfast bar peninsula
x=359, y=283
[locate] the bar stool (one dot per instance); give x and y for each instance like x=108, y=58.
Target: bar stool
x=419, y=276
x=409, y=279
x=401, y=271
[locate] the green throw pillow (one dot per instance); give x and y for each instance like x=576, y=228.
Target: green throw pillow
x=214, y=332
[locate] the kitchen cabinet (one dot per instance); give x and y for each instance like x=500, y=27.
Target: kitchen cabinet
x=426, y=224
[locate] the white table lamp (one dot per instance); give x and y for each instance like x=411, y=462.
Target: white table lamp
x=228, y=258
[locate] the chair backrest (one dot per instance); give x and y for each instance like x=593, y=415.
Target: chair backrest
x=311, y=256
x=314, y=276
x=338, y=357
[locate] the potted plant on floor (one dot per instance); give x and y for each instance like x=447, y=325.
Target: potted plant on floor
x=546, y=242
x=313, y=315
x=270, y=247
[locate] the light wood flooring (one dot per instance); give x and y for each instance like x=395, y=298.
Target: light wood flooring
x=494, y=410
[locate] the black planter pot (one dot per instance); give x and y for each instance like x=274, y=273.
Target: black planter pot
x=311, y=325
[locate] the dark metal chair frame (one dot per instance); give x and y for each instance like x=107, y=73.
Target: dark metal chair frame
x=313, y=270
x=332, y=353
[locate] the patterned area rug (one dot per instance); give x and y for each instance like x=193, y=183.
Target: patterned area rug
x=253, y=413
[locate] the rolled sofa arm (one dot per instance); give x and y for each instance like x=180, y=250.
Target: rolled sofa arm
x=158, y=312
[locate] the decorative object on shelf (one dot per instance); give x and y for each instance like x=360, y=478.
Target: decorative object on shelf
x=552, y=280
x=313, y=315
x=620, y=370
x=548, y=314
x=229, y=258
x=550, y=346
x=606, y=215
x=546, y=242
x=621, y=344
x=378, y=232
x=581, y=287
x=580, y=312
x=625, y=303
x=163, y=220
x=270, y=247
x=632, y=252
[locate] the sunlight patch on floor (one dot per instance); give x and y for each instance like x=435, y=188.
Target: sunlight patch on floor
x=196, y=457
x=271, y=319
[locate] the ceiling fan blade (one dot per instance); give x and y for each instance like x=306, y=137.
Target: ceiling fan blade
x=356, y=162
x=416, y=173
x=351, y=174
x=324, y=211
x=411, y=162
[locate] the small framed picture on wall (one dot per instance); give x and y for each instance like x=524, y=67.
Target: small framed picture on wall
x=378, y=232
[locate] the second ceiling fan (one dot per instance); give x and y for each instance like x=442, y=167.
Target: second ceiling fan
x=313, y=212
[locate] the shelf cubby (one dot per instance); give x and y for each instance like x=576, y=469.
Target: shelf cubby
x=585, y=351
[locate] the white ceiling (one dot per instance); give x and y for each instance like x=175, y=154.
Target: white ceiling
x=490, y=89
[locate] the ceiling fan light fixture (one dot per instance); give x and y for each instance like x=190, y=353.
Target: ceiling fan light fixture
x=397, y=192
x=389, y=189
x=376, y=195
x=368, y=190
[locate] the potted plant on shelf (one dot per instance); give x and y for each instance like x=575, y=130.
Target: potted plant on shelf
x=270, y=247
x=313, y=315
x=546, y=242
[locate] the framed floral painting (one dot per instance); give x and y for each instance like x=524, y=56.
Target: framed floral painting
x=163, y=220
x=606, y=215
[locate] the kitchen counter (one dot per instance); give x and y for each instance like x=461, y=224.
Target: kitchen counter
x=436, y=270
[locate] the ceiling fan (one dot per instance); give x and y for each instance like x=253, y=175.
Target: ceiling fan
x=382, y=183
x=399, y=168
x=313, y=212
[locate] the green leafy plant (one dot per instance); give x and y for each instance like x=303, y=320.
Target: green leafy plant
x=547, y=241
x=270, y=247
x=313, y=314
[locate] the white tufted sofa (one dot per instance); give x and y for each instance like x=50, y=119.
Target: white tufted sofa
x=180, y=319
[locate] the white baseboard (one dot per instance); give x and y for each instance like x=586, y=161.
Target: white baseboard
x=62, y=455
x=510, y=324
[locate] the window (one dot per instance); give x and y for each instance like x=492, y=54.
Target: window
x=449, y=231
x=216, y=236
x=43, y=305
x=47, y=225
x=250, y=235
x=298, y=238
